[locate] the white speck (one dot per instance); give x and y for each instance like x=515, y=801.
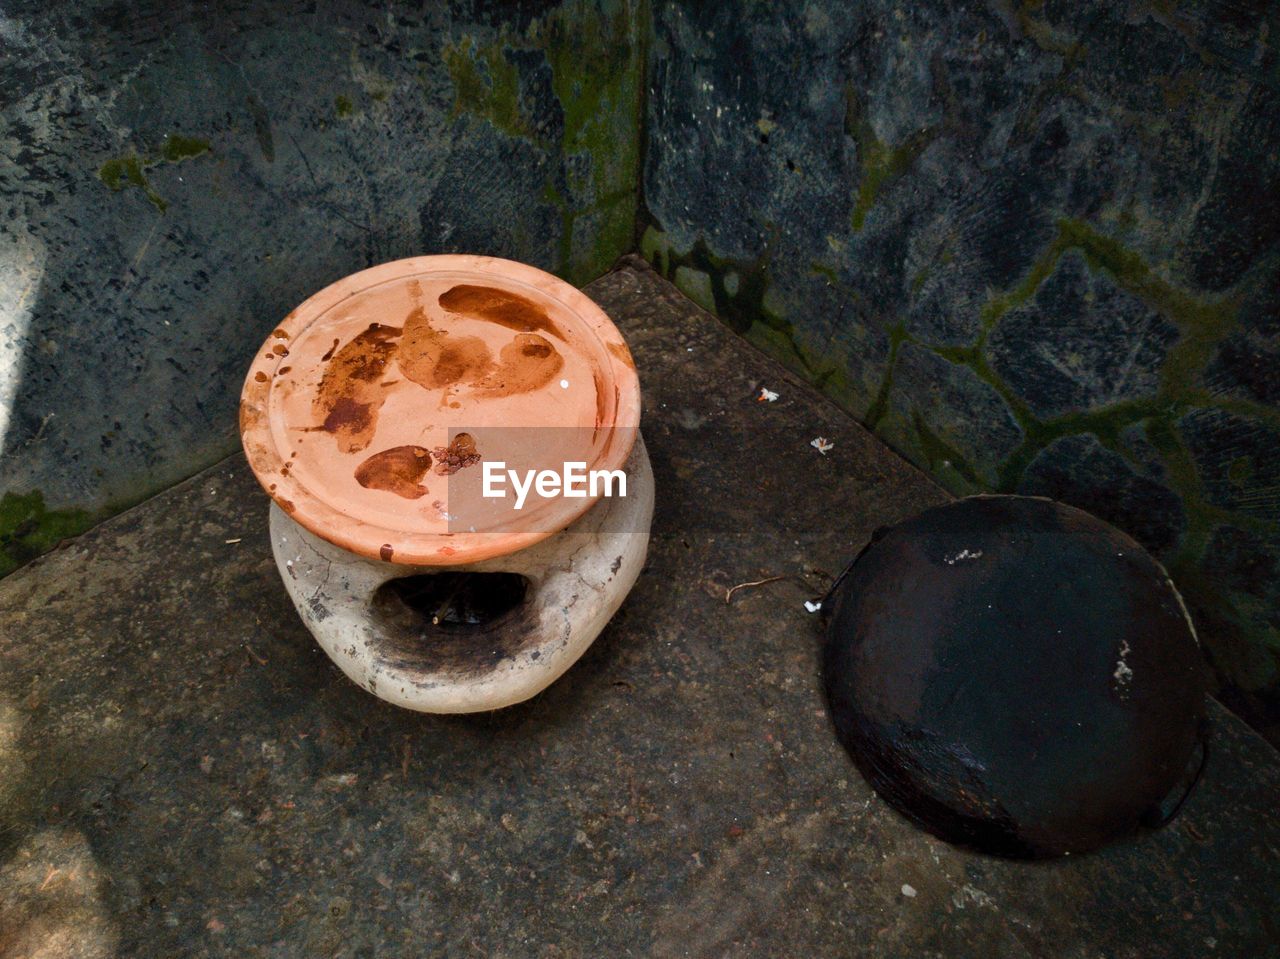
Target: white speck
x=1211, y=942
x=688, y=349
x=812, y=607
x=288, y=562
x=822, y=444
x=1123, y=674
x=564, y=384
x=908, y=891
x=229, y=542
x=963, y=554
x=766, y=396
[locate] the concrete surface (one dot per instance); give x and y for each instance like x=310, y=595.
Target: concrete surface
x=184, y=772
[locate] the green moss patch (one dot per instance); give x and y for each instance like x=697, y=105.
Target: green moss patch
x=597, y=73
x=28, y=528
x=881, y=164
x=130, y=169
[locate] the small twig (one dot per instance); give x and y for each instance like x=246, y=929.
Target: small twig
x=231, y=541
x=49, y=878
x=728, y=593
x=254, y=656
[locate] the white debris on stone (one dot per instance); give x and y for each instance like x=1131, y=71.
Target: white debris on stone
x=766, y=395
x=971, y=894
x=963, y=554
x=1123, y=674
x=811, y=606
x=822, y=444
x=909, y=891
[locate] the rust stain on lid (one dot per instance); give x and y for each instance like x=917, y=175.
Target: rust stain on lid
x=350, y=393
x=397, y=470
x=498, y=306
x=621, y=352
x=434, y=358
x=529, y=362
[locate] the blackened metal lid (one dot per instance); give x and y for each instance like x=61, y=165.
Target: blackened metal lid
x=1014, y=674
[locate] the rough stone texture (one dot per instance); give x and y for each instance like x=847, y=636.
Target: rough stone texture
x=989, y=230
x=1080, y=343
x=177, y=178
x=184, y=772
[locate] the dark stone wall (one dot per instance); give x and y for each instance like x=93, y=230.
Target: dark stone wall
x=177, y=177
x=1035, y=247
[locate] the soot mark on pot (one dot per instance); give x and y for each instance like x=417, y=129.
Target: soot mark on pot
x=319, y=611
x=453, y=623
x=398, y=470
x=435, y=358
x=460, y=453
x=333, y=349
x=498, y=306
x=261, y=377
x=351, y=391
x=386, y=552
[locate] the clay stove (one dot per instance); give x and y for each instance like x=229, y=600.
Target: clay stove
x=371, y=415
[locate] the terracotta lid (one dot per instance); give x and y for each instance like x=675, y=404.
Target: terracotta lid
x=382, y=394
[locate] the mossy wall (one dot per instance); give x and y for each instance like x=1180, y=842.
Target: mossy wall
x=178, y=177
x=1034, y=246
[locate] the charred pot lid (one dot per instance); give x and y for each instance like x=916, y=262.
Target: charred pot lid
x=1014, y=674
x=368, y=413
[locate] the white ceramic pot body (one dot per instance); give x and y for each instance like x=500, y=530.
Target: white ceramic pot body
x=577, y=579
